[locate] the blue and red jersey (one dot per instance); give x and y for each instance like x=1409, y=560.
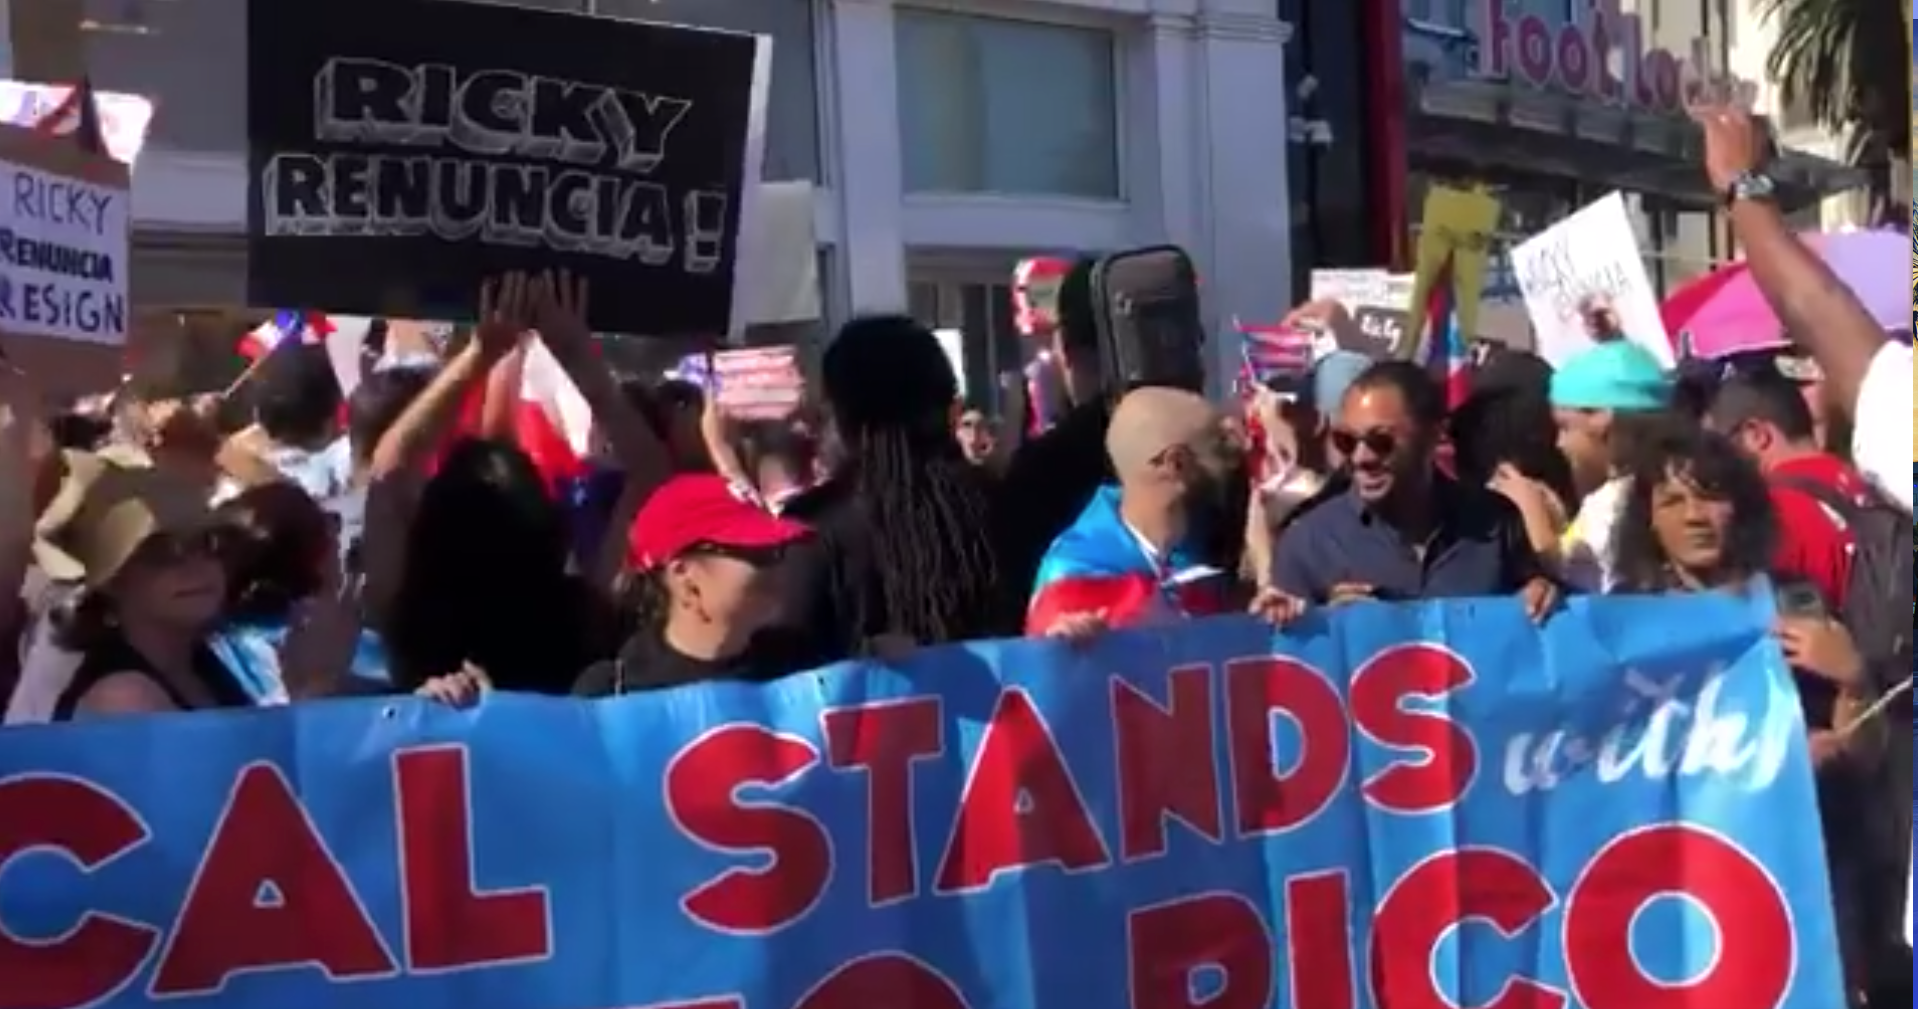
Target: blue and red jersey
x=1100, y=564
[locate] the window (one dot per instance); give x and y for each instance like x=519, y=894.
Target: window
x=998, y=106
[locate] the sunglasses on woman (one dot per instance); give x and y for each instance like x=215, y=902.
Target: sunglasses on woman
x=172, y=549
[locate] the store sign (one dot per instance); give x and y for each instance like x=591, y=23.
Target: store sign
x=1600, y=56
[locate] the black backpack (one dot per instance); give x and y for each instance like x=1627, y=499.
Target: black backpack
x=1145, y=305
x=1878, y=613
x=1878, y=598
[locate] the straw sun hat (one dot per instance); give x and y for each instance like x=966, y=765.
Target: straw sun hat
x=102, y=514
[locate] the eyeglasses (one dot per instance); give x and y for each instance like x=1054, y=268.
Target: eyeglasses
x=1376, y=441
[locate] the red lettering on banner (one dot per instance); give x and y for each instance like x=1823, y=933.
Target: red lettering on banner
x=885, y=740
x=1020, y=806
x=450, y=925
x=1753, y=963
x=1444, y=892
x=1318, y=935
x=701, y=790
x=1166, y=766
x=1269, y=800
x=268, y=895
x=101, y=953
x=884, y=979
x=1222, y=934
x=1448, y=757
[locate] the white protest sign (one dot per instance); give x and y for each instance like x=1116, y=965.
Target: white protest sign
x=952, y=343
x=63, y=240
x=1593, y=253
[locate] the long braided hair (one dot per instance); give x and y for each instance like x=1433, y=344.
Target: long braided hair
x=892, y=390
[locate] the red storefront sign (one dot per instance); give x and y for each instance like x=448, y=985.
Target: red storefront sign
x=1600, y=56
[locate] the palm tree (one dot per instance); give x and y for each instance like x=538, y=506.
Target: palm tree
x=1844, y=61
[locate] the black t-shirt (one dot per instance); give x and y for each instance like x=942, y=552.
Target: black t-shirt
x=647, y=662
x=833, y=577
x=1047, y=484
x=114, y=656
x=535, y=645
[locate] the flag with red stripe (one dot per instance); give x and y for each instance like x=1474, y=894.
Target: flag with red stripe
x=82, y=109
x=762, y=383
x=1273, y=351
x=1443, y=345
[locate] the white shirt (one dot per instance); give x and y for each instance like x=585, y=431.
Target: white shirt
x=1586, y=547
x=1881, y=423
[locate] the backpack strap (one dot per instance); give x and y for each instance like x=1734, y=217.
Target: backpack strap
x=1825, y=494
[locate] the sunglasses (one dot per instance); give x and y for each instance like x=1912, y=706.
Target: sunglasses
x=1377, y=442
x=758, y=557
x=173, y=549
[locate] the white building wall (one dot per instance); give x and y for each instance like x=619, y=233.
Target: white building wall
x=1201, y=100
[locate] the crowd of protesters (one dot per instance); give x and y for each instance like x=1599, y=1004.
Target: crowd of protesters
x=402, y=538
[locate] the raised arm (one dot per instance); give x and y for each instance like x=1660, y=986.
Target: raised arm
x=559, y=314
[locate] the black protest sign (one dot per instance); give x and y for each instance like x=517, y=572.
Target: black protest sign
x=400, y=151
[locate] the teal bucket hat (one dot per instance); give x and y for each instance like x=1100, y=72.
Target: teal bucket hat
x=1616, y=375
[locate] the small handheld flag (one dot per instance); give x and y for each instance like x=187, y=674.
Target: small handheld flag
x=310, y=328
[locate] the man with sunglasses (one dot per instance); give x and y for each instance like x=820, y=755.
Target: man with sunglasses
x=1403, y=529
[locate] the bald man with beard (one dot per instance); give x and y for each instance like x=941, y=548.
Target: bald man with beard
x=1131, y=559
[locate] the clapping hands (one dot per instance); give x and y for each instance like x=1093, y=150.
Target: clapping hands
x=551, y=304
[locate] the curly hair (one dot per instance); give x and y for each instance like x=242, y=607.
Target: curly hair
x=1721, y=472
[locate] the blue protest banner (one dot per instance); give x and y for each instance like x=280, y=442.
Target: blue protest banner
x=1406, y=807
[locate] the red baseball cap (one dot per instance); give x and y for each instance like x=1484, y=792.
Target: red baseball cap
x=702, y=510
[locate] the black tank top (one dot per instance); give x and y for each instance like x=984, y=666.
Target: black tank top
x=115, y=656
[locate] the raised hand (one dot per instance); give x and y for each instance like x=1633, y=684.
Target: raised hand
x=559, y=313
x=316, y=658
x=505, y=314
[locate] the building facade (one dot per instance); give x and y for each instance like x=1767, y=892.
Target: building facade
x=1053, y=128
x=921, y=147
x=1553, y=103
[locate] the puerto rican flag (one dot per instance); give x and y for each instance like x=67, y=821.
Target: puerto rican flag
x=1098, y=565
x=310, y=328
x=1271, y=351
x=1444, y=349
x=79, y=115
x=552, y=421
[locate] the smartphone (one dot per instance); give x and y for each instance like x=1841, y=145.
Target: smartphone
x=1797, y=599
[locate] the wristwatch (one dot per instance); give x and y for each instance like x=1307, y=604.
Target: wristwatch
x=1750, y=186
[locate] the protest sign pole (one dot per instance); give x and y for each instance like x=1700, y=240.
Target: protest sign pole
x=245, y=376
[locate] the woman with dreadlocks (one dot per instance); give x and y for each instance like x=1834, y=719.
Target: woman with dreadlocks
x=901, y=547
